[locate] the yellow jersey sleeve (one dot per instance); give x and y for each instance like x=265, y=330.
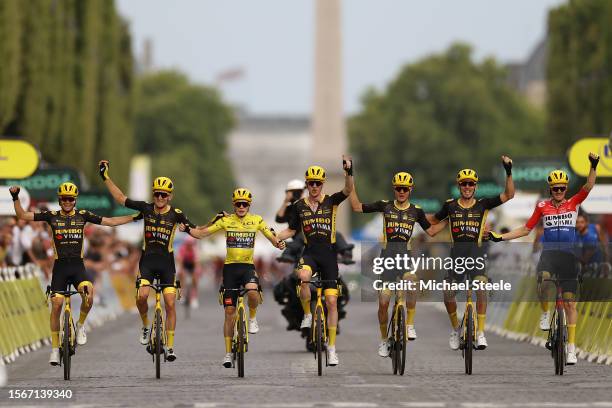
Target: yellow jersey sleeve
x=217, y=226
x=263, y=227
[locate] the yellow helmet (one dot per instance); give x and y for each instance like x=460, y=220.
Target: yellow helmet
x=557, y=177
x=316, y=173
x=163, y=184
x=242, y=194
x=467, y=174
x=68, y=190
x=402, y=179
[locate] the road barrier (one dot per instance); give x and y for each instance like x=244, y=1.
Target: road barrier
x=24, y=311
x=24, y=314
x=519, y=319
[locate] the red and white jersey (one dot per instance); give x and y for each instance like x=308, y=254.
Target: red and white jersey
x=559, y=222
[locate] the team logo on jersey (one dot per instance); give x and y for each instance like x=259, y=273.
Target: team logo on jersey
x=390, y=230
x=59, y=237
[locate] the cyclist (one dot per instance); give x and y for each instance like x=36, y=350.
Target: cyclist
x=467, y=218
x=67, y=226
x=399, y=217
x=559, y=244
x=160, y=223
x=593, y=245
x=315, y=216
x=187, y=256
x=240, y=230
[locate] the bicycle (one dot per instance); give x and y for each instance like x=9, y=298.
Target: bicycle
x=468, y=332
x=396, y=333
x=557, y=334
x=319, y=326
x=240, y=340
x=157, y=333
x=68, y=342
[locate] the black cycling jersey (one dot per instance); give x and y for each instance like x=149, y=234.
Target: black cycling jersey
x=319, y=226
x=398, y=224
x=467, y=224
x=68, y=230
x=159, y=228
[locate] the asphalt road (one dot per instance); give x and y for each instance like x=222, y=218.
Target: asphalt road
x=113, y=369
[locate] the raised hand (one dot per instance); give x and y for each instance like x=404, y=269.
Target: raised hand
x=594, y=159
x=104, y=165
x=507, y=162
x=14, y=190
x=347, y=165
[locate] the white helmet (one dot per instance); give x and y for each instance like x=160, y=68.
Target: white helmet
x=295, y=185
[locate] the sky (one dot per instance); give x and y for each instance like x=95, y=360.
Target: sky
x=272, y=41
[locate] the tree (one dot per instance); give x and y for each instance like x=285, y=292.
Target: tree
x=579, y=76
x=10, y=55
x=440, y=115
x=181, y=124
x=66, y=80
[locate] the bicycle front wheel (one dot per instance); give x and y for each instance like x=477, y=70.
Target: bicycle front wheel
x=158, y=343
x=66, y=343
x=319, y=340
x=469, y=339
x=560, y=342
x=400, y=341
x=241, y=341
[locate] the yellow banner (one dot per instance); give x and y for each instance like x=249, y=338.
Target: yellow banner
x=579, y=160
x=18, y=159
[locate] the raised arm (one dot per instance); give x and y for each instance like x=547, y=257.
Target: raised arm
x=347, y=165
x=19, y=211
x=112, y=188
x=356, y=205
x=594, y=159
x=509, y=190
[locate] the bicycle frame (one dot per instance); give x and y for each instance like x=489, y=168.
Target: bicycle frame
x=469, y=302
x=400, y=301
x=159, y=288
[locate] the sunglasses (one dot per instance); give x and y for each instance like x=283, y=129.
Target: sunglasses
x=558, y=189
x=160, y=194
x=314, y=183
x=67, y=199
x=402, y=189
x=241, y=204
x=467, y=184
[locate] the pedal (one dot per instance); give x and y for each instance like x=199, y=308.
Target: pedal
x=548, y=345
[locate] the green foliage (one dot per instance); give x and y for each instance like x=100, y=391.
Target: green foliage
x=185, y=125
x=66, y=80
x=10, y=55
x=579, y=80
x=440, y=115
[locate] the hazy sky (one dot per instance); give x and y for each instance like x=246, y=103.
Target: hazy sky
x=272, y=40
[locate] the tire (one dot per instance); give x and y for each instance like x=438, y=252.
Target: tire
x=241, y=342
x=393, y=342
x=560, y=343
x=158, y=343
x=469, y=340
x=401, y=341
x=66, y=352
x=319, y=341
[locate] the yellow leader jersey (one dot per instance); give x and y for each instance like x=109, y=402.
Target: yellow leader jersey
x=240, y=236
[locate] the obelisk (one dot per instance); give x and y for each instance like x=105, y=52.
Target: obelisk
x=328, y=127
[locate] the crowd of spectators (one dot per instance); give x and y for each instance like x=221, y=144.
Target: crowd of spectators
x=23, y=242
